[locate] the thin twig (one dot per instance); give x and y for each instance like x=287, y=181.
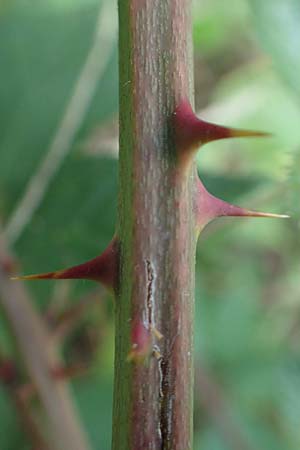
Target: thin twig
x=40, y=357
x=11, y=379
x=67, y=321
x=76, y=110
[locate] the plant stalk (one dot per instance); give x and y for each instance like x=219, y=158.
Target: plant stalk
x=153, y=402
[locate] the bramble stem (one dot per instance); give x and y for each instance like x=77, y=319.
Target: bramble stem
x=153, y=401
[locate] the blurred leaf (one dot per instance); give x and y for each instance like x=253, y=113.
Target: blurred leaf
x=42, y=52
x=293, y=186
x=6, y=340
x=214, y=25
x=289, y=404
x=264, y=435
x=277, y=24
x=95, y=398
x=75, y=222
x=210, y=439
x=230, y=188
x=11, y=434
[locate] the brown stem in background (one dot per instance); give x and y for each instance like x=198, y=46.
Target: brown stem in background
x=9, y=376
x=64, y=323
x=40, y=357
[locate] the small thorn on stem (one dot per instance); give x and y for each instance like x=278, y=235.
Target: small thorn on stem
x=192, y=132
x=103, y=268
x=141, y=342
x=210, y=207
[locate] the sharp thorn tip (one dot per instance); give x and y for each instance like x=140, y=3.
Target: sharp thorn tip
x=248, y=133
x=267, y=215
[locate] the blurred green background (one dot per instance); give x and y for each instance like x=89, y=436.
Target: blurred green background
x=247, y=66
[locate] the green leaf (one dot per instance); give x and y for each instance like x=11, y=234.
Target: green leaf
x=293, y=186
x=277, y=24
x=42, y=54
x=74, y=223
x=214, y=25
x=11, y=436
x=231, y=187
x=95, y=397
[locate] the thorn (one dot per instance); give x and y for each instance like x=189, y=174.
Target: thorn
x=192, y=132
x=103, y=268
x=209, y=207
x=141, y=340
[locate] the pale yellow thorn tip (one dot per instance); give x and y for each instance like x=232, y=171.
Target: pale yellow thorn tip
x=25, y=277
x=235, y=132
x=267, y=215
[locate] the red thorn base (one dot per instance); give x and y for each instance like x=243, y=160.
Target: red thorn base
x=141, y=342
x=192, y=132
x=209, y=207
x=103, y=268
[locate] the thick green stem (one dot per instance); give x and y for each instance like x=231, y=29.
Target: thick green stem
x=153, y=401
